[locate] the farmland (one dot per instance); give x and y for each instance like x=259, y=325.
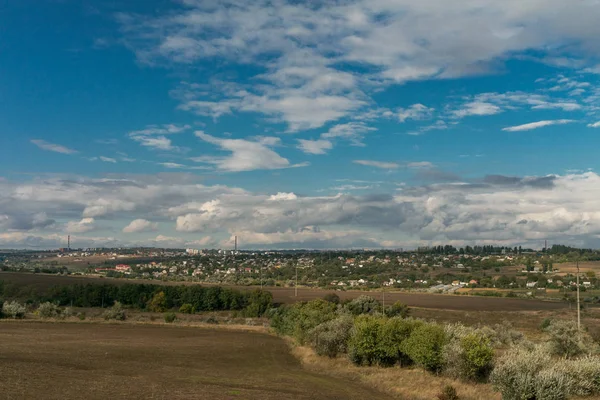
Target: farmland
x=99, y=361
x=287, y=295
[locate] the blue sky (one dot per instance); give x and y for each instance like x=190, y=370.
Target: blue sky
x=356, y=124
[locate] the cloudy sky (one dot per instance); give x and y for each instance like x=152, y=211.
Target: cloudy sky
x=322, y=124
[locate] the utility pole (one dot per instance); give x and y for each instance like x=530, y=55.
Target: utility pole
x=296, y=285
x=578, y=307
x=260, y=275
x=383, y=303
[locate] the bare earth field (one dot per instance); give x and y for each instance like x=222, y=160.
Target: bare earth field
x=287, y=295
x=126, y=361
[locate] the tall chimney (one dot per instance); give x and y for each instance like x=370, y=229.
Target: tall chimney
x=69, y=242
x=235, y=243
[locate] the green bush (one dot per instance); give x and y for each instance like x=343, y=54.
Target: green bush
x=116, y=312
x=170, y=317
x=259, y=301
x=363, y=305
x=516, y=372
x=477, y=356
x=398, y=309
x=13, y=310
x=331, y=338
x=393, y=333
x=49, y=310
x=187, y=308
x=364, y=345
x=332, y=298
x=299, y=319
x=425, y=346
x=545, y=323
x=81, y=316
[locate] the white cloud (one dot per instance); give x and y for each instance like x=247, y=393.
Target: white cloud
x=166, y=129
x=594, y=125
x=140, y=225
x=496, y=209
x=377, y=164
x=107, y=159
x=85, y=225
x=537, y=125
x=416, y=112
x=420, y=164
x=314, y=146
x=57, y=148
x=476, y=108
x=351, y=131
x=245, y=155
x=153, y=136
x=158, y=142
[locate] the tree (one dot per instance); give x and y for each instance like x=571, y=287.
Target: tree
x=398, y=309
x=158, y=303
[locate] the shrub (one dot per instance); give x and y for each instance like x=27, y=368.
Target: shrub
x=81, y=316
x=551, y=385
x=567, y=341
x=259, y=301
x=170, y=317
x=477, y=356
x=448, y=393
x=331, y=338
x=516, y=372
x=545, y=323
x=13, y=310
x=393, y=333
x=299, y=319
x=158, y=303
x=49, y=310
x=187, y=308
x=425, y=346
x=505, y=334
x=116, y=312
x=363, y=346
x=398, y=309
x=363, y=305
x=332, y=298
x=583, y=374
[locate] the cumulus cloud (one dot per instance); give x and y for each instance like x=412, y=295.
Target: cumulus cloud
x=416, y=112
x=594, y=125
x=492, y=209
x=351, y=131
x=140, y=225
x=82, y=226
x=56, y=148
x=537, y=125
x=246, y=155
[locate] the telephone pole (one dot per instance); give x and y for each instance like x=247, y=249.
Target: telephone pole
x=578, y=307
x=383, y=303
x=296, y=285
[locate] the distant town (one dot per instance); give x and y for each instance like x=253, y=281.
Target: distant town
x=482, y=270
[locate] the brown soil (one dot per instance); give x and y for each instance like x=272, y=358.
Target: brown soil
x=126, y=361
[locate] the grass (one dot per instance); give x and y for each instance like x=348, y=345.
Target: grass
x=401, y=383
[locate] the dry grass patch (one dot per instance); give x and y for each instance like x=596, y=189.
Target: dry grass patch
x=401, y=383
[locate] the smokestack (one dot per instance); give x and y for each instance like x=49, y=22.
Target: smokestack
x=69, y=242
x=235, y=243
